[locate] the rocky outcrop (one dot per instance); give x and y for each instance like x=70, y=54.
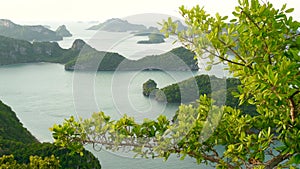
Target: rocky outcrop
x=63, y=31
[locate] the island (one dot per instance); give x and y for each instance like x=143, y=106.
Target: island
x=117, y=25
x=149, y=88
x=178, y=59
x=18, y=141
x=81, y=56
x=153, y=38
x=189, y=90
x=29, y=33
x=63, y=31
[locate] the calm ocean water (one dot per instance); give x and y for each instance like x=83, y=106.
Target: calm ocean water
x=43, y=94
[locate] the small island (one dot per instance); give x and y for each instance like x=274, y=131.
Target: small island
x=189, y=90
x=149, y=88
x=153, y=39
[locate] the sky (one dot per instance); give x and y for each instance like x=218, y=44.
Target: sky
x=100, y=10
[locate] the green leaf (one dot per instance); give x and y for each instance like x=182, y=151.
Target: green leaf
x=283, y=7
x=289, y=10
x=233, y=20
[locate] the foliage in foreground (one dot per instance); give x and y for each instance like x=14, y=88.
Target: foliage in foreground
x=261, y=47
x=35, y=162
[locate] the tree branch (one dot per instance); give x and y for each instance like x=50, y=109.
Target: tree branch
x=235, y=53
x=276, y=160
x=292, y=105
x=260, y=29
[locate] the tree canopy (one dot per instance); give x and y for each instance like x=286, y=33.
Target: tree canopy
x=261, y=47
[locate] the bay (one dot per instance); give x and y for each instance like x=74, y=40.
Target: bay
x=43, y=94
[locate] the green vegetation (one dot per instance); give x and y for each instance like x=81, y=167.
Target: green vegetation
x=153, y=38
x=29, y=33
x=19, y=149
x=11, y=128
x=35, y=162
x=178, y=59
x=117, y=25
x=265, y=45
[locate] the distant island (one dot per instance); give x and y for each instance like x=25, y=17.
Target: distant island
x=81, y=56
x=153, y=38
x=117, y=25
x=29, y=33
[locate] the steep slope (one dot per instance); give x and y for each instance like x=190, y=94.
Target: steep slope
x=11, y=128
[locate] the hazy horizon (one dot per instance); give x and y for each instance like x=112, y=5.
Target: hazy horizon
x=34, y=11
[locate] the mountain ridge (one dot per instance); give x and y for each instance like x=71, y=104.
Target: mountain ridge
x=27, y=32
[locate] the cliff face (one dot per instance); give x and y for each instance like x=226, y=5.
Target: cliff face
x=29, y=33
x=63, y=31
